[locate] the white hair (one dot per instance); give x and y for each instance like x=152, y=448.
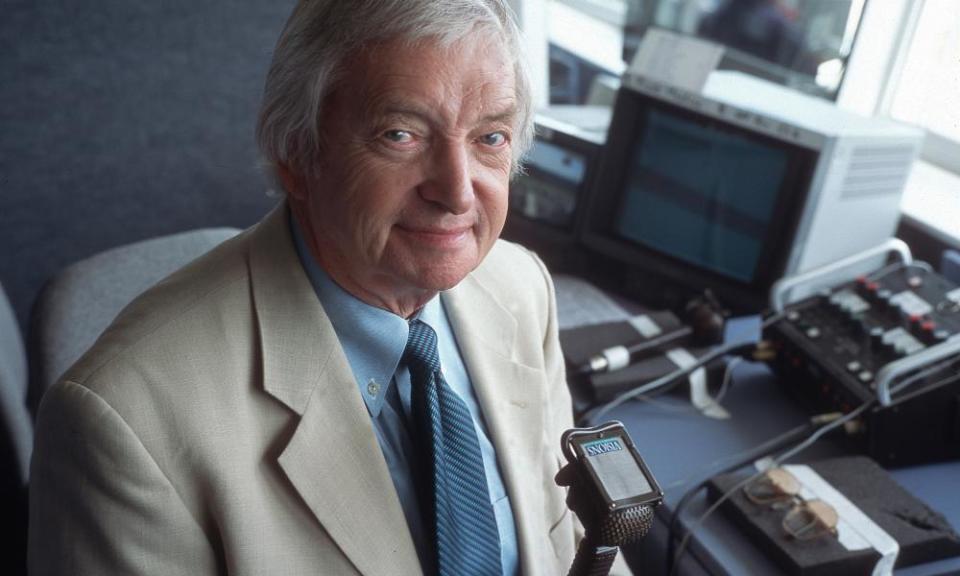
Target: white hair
x=321, y=35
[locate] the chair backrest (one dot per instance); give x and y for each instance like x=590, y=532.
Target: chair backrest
x=16, y=441
x=84, y=298
x=15, y=423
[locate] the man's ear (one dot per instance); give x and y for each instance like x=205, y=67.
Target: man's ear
x=292, y=182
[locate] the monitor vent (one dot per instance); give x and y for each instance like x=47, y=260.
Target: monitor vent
x=877, y=171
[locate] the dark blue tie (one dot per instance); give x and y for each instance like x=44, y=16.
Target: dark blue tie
x=459, y=512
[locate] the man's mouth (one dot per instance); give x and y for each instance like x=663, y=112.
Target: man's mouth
x=437, y=236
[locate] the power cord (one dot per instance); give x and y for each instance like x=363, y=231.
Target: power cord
x=739, y=349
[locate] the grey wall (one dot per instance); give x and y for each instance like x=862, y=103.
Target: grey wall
x=122, y=120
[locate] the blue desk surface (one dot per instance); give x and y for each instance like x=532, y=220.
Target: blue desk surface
x=683, y=448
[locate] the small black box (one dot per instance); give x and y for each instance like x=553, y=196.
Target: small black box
x=923, y=534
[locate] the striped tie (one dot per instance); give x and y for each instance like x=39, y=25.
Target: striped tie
x=460, y=514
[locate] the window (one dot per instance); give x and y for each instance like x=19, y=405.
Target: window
x=585, y=41
x=924, y=90
x=927, y=92
x=804, y=44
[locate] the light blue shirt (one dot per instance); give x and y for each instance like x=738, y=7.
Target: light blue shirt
x=373, y=340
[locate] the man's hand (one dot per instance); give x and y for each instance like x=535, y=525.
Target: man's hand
x=577, y=496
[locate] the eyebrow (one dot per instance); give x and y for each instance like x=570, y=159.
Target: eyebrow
x=507, y=114
x=401, y=110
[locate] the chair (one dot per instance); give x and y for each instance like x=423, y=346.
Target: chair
x=84, y=298
x=16, y=439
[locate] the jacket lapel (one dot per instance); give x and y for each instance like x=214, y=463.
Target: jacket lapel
x=333, y=458
x=511, y=398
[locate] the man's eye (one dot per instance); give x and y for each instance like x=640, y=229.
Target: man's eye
x=398, y=136
x=494, y=139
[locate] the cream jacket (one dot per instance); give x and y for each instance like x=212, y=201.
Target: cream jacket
x=215, y=427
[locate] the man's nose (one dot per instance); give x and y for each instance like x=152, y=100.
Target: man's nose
x=450, y=183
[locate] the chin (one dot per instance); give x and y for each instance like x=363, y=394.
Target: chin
x=440, y=282
x=439, y=278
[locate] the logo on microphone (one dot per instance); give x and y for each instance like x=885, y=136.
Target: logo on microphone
x=598, y=447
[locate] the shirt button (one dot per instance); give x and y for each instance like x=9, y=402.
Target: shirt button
x=373, y=388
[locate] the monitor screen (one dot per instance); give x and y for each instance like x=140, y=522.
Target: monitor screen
x=701, y=194
x=548, y=191
x=686, y=198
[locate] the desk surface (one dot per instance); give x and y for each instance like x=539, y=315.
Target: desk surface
x=683, y=448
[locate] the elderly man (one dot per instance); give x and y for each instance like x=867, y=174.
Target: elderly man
x=367, y=381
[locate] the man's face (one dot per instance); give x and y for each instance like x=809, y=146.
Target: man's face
x=411, y=187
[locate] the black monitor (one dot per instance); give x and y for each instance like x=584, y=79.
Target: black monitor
x=686, y=201
x=547, y=199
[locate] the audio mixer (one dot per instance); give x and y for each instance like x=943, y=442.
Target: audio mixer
x=891, y=338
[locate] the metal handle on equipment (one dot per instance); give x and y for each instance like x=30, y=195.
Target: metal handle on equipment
x=782, y=288
x=900, y=367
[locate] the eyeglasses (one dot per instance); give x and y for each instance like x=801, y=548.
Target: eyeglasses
x=805, y=519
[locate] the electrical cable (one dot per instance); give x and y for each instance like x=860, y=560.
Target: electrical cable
x=687, y=408
x=725, y=384
x=595, y=414
x=819, y=433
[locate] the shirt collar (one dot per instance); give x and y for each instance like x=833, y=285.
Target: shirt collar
x=372, y=338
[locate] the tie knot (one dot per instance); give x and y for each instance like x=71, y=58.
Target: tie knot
x=421, y=351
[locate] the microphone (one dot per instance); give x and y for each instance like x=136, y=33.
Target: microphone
x=704, y=323
x=617, y=357
x=612, y=492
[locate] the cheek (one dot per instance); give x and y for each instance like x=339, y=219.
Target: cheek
x=361, y=194
x=494, y=196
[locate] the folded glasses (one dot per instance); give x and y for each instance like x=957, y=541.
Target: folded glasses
x=805, y=519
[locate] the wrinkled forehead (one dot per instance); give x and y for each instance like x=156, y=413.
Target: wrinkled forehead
x=472, y=76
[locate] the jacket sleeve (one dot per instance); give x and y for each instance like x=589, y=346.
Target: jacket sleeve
x=99, y=503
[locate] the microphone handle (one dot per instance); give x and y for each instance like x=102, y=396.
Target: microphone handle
x=617, y=357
